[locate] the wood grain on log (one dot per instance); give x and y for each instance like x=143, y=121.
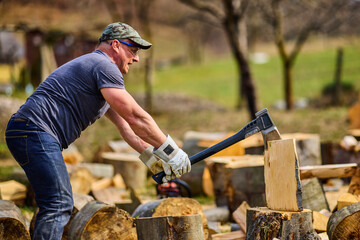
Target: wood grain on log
x=12, y=222
x=264, y=223
x=187, y=227
x=344, y=223
x=282, y=178
x=97, y=220
x=328, y=171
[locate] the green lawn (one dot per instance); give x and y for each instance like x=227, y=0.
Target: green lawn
x=216, y=79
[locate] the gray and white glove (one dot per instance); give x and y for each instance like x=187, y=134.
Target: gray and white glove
x=151, y=161
x=175, y=160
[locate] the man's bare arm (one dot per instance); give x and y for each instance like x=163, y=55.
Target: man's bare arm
x=141, y=123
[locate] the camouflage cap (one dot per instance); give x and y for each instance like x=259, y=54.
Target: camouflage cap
x=120, y=30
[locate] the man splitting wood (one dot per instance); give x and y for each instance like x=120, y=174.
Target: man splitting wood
x=70, y=99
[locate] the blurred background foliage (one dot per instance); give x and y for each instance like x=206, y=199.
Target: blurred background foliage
x=212, y=64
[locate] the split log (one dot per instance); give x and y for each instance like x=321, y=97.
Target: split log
x=240, y=215
x=130, y=205
x=130, y=167
x=13, y=191
x=263, y=223
x=346, y=199
x=319, y=221
x=354, y=187
x=110, y=195
x=313, y=195
x=81, y=180
x=187, y=227
x=282, y=178
x=97, y=220
x=344, y=223
x=12, y=222
x=207, y=184
x=236, y=235
x=218, y=214
x=353, y=115
x=99, y=170
x=228, y=171
x=328, y=171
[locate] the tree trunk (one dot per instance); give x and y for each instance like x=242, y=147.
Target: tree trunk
x=288, y=84
x=12, y=222
x=187, y=227
x=337, y=78
x=232, y=26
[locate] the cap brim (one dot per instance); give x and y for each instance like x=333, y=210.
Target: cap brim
x=141, y=42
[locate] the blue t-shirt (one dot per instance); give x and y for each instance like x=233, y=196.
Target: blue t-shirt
x=69, y=100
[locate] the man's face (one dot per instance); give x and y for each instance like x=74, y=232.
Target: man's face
x=126, y=55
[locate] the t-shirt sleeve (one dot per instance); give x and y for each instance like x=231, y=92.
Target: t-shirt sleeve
x=108, y=75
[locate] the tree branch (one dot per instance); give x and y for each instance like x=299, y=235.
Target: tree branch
x=206, y=7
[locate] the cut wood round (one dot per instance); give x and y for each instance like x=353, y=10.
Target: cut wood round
x=344, y=223
x=264, y=223
x=129, y=166
x=187, y=227
x=237, y=179
x=12, y=222
x=81, y=180
x=97, y=220
x=172, y=207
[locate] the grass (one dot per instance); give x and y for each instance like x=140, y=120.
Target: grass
x=217, y=79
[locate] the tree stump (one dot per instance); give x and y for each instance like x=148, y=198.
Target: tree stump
x=97, y=220
x=228, y=171
x=12, y=222
x=187, y=227
x=129, y=166
x=264, y=223
x=344, y=223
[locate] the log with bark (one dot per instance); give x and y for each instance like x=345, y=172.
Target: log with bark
x=188, y=227
x=172, y=207
x=237, y=179
x=264, y=223
x=344, y=223
x=12, y=222
x=313, y=195
x=97, y=220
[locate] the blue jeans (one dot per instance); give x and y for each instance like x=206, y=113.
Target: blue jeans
x=39, y=154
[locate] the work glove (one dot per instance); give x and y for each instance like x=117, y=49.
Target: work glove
x=151, y=161
x=175, y=160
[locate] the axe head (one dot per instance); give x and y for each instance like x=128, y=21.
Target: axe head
x=267, y=127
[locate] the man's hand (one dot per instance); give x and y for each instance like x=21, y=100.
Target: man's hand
x=151, y=161
x=175, y=160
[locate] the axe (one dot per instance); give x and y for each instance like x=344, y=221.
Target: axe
x=262, y=123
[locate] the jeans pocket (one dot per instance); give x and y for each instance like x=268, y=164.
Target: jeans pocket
x=18, y=148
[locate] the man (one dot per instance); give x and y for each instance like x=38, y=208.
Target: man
x=73, y=97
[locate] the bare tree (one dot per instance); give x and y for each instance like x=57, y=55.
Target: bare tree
x=231, y=17
x=295, y=21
